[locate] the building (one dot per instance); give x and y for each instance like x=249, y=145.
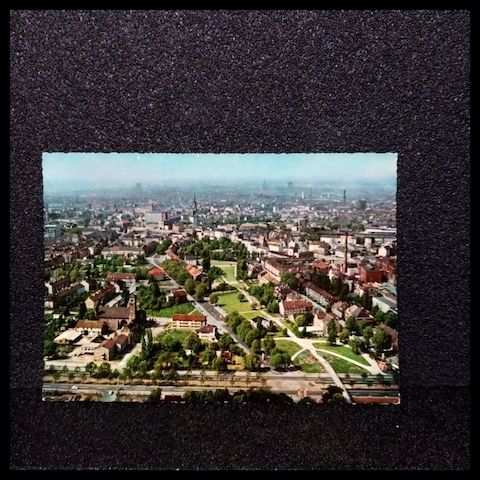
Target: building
x=318, y=294
x=357, y=312
x=194, y=272
x=128, y=278
x=338, y=309
x=68, y=337
x=320, y=323
x=106, y=351
x=117, y=317
x=294, y=307
x=100, y=296
x=191, y=321
x=55, y=287
x=207, y=332
x=90, y=327
x=369, y=274
x=157, y=273
x=178, y=296
x=63, y=297
x=385, y=304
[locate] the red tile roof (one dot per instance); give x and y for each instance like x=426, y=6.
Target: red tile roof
x=289, y=304
x=108, y=344
x=90, y=324
x=121, y=276
x=189, y=317
x=156, y=271
x=179, y=293
x=206, y=329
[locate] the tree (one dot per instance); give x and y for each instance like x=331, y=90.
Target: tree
x=381, y=341
x=190, y=286
x=155, y=395
x=240, y=297
x=192, y=342
x=268, y=344
x=331, y=332
x=252, y=362
x=333, y=394
x=276, y=361
x=391, y=319
x=82, y=310
x=289, y=280
x=155, y=289
x=49, y=347
x=256, y=345
x=213, y=273
x=213, y=299
x=352, y=325
x=379, y=316
x=225, y=341
x=200, y=291
x=206, y=263
x=272, y=306
x=91, y=314
x=103, y=369
x=367, y=333
x=90, y=368
x=355, y=345
x=344, y=335
x=219, y=364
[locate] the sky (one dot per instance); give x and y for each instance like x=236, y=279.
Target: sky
x=125, y=169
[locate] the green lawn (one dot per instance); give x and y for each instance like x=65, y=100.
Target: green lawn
x=175, y=334
x=288, y=346
x=341, y=350
x=342, y=366
x=252, y=314
x=230, y=303
x=170, y=311
x=307, y=363
x=228, y=267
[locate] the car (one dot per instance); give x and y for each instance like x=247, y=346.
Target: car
x=111, y=392
x=74, y=387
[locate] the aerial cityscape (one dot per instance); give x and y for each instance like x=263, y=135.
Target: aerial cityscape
x=202, y=278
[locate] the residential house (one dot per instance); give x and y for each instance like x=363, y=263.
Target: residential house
x=294, y=307
x=338, y=309
x=128, y=278
x=178, y=296
x=318, y=294
x=157, y=273
x=207, y=332
x=101, y=295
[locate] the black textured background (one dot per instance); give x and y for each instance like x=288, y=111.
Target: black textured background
x=254, y=82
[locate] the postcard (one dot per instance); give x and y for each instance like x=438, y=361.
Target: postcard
x=199, y=278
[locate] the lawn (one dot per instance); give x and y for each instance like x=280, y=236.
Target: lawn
x=341, y=350
x=342, y=366
x=230, y=269
x=251, y=315
x=308, y=363
x=170, y=311
x=175, y=334
x=288, y=346
x=231, y=303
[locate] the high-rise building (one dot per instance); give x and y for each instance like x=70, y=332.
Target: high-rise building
x=290, y=185
x=344, y=196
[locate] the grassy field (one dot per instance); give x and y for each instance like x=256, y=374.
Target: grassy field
x=341, y=350
x=230, y=303
x=230, y=269
x=170, y=311
x=288, y=346
x=251, y=315
x=176, y=334
x=308, y=363
x=342, y=366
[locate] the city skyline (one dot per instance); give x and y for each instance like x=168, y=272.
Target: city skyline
x=124, y=169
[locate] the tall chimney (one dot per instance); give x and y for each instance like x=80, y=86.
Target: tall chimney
x=346, y=250
x=344, y=197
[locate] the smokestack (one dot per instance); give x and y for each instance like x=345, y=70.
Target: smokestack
x=344, y=197
x=346, y=249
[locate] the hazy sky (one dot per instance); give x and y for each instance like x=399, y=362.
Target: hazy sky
x=149, y=168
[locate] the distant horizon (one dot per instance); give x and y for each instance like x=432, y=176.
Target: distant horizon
x=86, y=171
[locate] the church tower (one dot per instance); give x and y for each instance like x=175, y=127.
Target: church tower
x=132, y=308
